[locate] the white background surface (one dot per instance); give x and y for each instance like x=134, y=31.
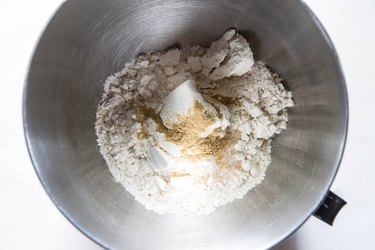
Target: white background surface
x=29, y=220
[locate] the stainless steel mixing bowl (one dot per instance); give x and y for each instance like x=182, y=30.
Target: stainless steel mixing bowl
x=88, y=40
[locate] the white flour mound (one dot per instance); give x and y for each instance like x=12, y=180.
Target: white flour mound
x=226, y=75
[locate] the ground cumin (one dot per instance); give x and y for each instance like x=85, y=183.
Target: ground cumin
x=186, y=135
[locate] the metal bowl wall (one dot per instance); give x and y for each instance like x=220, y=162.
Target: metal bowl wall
x=87, y=41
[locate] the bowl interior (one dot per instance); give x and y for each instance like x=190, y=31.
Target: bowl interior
x=87, y=41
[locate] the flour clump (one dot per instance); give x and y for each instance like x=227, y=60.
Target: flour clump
x=187, y=131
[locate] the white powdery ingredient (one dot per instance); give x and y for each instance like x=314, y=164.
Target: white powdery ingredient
x=245, y=93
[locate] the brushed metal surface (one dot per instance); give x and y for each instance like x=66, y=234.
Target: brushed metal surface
x=87, y=41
